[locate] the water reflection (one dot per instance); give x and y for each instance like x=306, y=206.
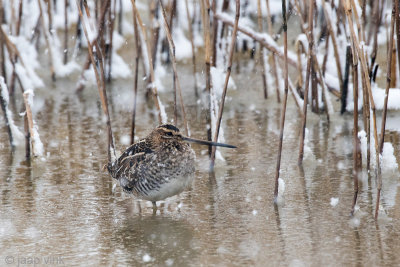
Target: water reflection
x=160, y=240
x=64, y=204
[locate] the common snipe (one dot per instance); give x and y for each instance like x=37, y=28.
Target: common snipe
x=159, y=166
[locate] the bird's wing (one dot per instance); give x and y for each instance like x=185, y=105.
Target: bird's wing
x=129, y=161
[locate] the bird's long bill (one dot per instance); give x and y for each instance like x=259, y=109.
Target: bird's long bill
x=207, y=143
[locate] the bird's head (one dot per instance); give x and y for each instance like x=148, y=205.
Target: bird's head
x=170, y=133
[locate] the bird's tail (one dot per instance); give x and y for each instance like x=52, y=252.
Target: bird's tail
x=111, y=168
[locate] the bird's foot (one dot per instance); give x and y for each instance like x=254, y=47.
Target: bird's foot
x=154, y=207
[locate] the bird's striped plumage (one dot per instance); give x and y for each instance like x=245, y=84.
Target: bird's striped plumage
x=158, y=166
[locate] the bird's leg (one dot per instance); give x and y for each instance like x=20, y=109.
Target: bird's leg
x=154, y=207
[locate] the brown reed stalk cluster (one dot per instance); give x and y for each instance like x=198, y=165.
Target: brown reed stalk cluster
x=326, y=29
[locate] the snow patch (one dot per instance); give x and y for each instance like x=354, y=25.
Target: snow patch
x=125, y=139
x=163, y=114
x=146, y=258
x=334, y=201
x=388, y=160
x=18, y=136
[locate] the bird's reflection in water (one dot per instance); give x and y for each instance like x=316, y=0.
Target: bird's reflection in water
x=157, y=239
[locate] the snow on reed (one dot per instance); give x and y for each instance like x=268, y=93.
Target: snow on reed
x=388, y=160
x=38, y=148
x=17, y=135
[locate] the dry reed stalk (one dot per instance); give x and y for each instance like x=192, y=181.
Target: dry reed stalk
x=13, y=52
x=99, y=79
x=300, y=48
x=144, y=34
x=111, y=22
x=375, y=22
x=17, y=30
x=190, y=28
x=172, y=11
x=4, y=107
x=307, y=84
x=298, y=105
x=261, y=51
x=155, y=31
x=363, y=13
x=120, y=15
x=2, y=55
x=100, y=51
x=360, y=53
x=135, y=82
x=50, y=16
x=325, y=60
x=178, y=85
x=315, y=69
x=171, y=45
x=398, y=34
x=289, y=14
x=393, y=79
x=274, y=66
x=344, y=89
x=30, y=121
x=388, y=77
x=356, y=147
x=79, y=31
x=46, y=37
x=27, y=137
x=100, y=26
x=96, y=9
x=314, y=87
x=214, y=36
x=228, y=73
x=205, y=13
x=364, y=68
x=283, y=111
x=366, y=119
x=324, y=90
x=65, y=31
x=334, y=42
x=26, y=125
x=360, y=28
x=12, y=18
x=258, y=38
x=388, y=80
x=36, y=34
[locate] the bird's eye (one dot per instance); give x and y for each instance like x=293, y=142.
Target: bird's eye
x=169, y=133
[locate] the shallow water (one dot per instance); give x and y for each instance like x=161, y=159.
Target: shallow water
x=64, y=207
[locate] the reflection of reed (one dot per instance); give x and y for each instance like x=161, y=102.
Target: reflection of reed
x=214, y=20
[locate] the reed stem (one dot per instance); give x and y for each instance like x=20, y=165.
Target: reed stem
x=283, y=111
x=228, y=73
x=356, y=147
x=190, y=28
x=176, y=79
x=307, y=84
x=261, y=52
x=152, y=78
x=99, y=79
x=205, y=9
